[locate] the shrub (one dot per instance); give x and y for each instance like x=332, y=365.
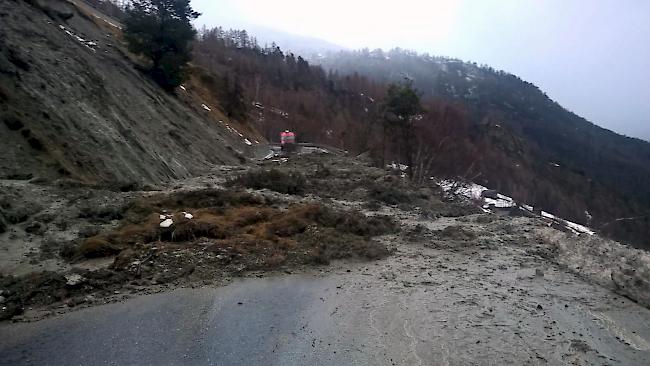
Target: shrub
x=389, y=194
x=275, y=180
x=96, y=247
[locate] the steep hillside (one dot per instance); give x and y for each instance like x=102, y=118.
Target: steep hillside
x=483, y=125
x=535, y=150
x=74, y=104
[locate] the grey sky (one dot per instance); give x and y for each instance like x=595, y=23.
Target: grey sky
x=592, y=56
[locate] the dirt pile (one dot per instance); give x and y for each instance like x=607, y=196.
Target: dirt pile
x=215, y=233
x=618, y=267
x=74, y=105
x=243, y=225
x=331, y=176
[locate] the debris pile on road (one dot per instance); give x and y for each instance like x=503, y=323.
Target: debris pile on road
x=202, y=235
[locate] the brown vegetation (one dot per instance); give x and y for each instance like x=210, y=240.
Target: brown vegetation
x=262, y=232
x=229, y=232
x=244, y=224
x=283, y=182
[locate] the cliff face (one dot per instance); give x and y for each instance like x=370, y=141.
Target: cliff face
x=73, y=104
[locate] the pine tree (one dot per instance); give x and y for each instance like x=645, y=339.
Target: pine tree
x=161, y=31
x=401, y=106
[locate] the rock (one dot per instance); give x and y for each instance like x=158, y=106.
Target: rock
x=65, y=15
x=9, y=311
x=35, y=228
x=490, y=193
x=539, y=307
x=539, y=272
x=74, y=279
x=74, y=301
x=167, y=223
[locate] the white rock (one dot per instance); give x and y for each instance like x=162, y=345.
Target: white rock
x=163, y=217
x=167, y=223
x=74, y=279
x=188, y=215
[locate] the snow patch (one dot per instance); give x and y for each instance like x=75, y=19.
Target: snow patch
x=499, y=203
x=471, y=191
x=400, y=167
x=548, y=215
x=92, y=45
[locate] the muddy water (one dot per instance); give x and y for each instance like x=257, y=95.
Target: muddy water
x=422, y=306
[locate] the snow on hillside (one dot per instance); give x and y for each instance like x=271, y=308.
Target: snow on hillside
x=491, y=200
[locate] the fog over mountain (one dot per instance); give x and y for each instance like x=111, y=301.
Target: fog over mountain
x=302, y=45
x=591, y=57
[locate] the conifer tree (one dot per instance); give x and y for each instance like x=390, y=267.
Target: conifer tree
x=161, y=31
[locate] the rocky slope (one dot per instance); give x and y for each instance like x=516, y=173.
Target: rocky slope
x=74, y=104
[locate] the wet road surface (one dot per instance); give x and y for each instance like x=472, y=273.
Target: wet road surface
x=422, y=306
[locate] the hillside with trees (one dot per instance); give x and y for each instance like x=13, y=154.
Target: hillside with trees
x=595, y=175
x=473, y=122
x=476, y=123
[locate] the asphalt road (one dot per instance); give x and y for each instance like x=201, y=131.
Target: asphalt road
x=420, y=306
x=253, y=322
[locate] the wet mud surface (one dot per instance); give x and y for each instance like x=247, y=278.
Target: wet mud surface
x=421, y=306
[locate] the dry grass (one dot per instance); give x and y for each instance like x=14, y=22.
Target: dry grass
x=243, y=225
x=97, y=246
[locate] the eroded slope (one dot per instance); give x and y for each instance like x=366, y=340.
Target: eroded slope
x=72, y=103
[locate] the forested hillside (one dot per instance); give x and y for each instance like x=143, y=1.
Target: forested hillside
x=593, y=174
x=477, y=123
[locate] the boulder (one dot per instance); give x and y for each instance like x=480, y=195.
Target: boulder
x=490, y=193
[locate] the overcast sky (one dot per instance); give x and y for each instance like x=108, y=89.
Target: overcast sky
x=592, y=56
